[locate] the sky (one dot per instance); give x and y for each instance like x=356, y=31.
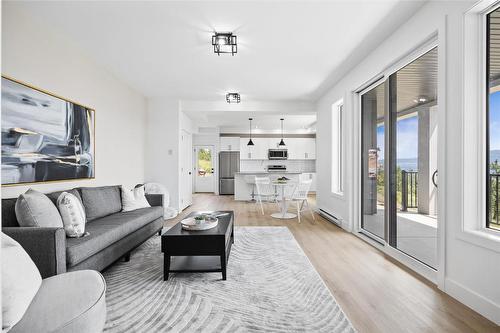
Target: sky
x=495, y=121
x=407, y=138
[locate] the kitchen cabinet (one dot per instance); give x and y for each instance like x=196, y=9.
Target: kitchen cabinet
x=309, y=149
x=301, y=148
x=298, y=148
x=293, y=145
x=256, y=152
x=273, y=143
x=228, y=143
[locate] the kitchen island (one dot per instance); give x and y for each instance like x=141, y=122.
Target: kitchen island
x=243, y=181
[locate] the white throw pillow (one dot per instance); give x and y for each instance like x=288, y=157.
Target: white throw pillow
x=20, y=282
x=133, y=199
x=72, y=213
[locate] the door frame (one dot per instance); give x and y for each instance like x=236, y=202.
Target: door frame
x=437, y=275
x=214, y=167
x=185, y=162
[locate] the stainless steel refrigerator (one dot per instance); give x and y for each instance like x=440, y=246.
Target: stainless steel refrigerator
x=229, y=164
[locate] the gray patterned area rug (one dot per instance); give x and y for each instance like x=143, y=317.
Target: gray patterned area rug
x=271, y=287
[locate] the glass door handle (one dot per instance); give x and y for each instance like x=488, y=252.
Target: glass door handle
x=434, y=175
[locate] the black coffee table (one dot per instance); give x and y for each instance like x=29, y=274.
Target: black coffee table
x=203, y=251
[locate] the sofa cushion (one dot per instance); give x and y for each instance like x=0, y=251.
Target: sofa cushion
x=69, y=302
x=107, y=230
x=9, y=218
x=20, y=282
x=34, y=209
x=55, y=195
x=101, y=201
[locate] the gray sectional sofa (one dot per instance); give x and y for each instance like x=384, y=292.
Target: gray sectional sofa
x=112, y=234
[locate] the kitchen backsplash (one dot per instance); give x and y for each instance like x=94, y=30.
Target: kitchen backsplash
x=291, y=165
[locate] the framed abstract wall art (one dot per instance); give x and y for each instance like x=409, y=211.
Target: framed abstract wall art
x=44, y=137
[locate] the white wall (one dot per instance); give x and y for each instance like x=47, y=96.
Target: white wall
x=162, y=145
x=45, y=59
x=163, y=152
x=471, y=272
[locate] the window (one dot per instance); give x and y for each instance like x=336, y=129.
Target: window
x=481, y=74
x=493, y=120
x=337, y=147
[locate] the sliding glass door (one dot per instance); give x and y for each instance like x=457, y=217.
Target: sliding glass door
x=373, y=143
x=399, y=121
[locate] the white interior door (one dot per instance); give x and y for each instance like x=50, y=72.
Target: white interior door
x=186, y=178
x=204, y=168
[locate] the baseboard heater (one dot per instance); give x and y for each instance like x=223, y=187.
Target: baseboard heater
x=330, y=217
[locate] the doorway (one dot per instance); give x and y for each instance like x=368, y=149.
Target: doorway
x=204, y=169
x=186, y=164
x=399, y=140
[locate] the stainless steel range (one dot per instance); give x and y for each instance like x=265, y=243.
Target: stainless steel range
x=276, y=168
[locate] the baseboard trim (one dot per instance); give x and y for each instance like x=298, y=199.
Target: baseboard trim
x=330, y=217
x=476, y=302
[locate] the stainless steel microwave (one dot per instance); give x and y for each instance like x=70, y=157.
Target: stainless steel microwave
x=278, y=154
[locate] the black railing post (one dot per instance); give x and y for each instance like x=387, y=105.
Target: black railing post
x=404, y=191
x=497, y=219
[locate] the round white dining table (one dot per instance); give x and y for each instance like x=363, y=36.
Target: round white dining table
x=283, y=214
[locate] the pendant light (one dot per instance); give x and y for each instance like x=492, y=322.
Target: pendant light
x=282, y=143
x=250, y=142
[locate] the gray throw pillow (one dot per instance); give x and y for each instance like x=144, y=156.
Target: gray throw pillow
x=35, y=209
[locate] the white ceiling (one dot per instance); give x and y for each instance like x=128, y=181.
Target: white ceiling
x=287, y=51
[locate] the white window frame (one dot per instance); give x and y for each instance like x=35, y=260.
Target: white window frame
x=337, y=176
x=474, y=122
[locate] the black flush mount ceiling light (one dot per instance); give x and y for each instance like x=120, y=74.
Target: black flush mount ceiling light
x=282, y=143
x=233, y=98
x=250, y=142
x=224, y=42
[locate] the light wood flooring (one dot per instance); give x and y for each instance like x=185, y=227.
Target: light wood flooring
x=377, y=293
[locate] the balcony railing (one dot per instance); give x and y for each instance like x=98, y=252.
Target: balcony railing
x=495, y=200
x=409, y=188
x=409, y=195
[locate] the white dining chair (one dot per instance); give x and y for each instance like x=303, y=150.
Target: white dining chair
x=250, y=180
x=265, y=191
x=299, y=196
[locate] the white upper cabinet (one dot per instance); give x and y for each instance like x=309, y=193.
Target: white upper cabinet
x=228, y=143
x=298, y=148
x=301, y=148
x=260, y=148
x=309, y=148
x=273, y=143
x=256, y=152
x=245, y=153
x=294, y=147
